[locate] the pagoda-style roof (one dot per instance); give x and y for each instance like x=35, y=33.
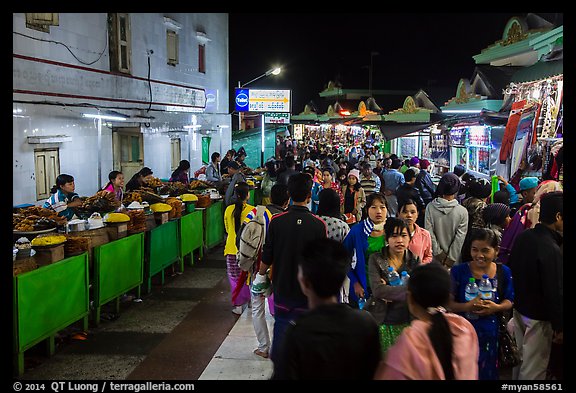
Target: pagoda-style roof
x=515, y=47
x=467, y=100
x=409, y=113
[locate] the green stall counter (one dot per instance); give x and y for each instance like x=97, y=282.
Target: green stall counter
x=161, y=249
x=214, y=224
x=191, y=235
x=47, y=300
x=118, y=268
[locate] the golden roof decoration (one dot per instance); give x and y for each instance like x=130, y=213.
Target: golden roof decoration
x=330, y=111
x=463, y=93
x=307, y=110
x=362, y=109
x=409, y=107
x=514, y=34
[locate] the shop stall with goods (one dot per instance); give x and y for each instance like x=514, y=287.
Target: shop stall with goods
x=533, y=138
x=60, y=267
x=475, y=146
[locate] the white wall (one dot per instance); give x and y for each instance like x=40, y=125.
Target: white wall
x=78, y=158
x=86, y=36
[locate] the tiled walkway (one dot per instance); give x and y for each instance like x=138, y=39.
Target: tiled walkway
x=235, y=358
x=182, y=330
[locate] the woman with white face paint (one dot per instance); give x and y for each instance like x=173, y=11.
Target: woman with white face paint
x=364, y=239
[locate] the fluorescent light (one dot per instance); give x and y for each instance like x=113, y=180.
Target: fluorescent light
x=192, y=127
x=103, y=117
x=462, y=111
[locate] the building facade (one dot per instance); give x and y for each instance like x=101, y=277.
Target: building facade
x=155, y=86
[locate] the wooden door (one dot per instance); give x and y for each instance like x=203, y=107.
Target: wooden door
x=128, y=151
x=47, y=168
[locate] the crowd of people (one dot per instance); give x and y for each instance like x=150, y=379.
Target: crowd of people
x=340, y=228
x=338, y=224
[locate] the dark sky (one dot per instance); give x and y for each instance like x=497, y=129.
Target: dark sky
x=431, y=51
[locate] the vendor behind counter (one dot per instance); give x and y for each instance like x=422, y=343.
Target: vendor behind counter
x=63, y=198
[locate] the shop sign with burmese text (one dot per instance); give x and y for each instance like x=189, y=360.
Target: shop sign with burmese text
x=276, y=118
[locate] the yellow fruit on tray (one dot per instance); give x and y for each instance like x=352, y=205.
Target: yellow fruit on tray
x=160, y=207
x=43, y=241
x=189, y=198
x=116, y=217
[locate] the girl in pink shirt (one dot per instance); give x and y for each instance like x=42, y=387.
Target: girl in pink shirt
x=421, y=243
x=437, y=344
x=115, y=185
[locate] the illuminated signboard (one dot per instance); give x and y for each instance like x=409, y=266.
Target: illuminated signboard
x=251, y=100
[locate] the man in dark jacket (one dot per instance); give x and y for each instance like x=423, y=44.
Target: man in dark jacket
x=424, y=182
x=287, y=233
x=331, y=340
x=536, y=264
x=407, y=190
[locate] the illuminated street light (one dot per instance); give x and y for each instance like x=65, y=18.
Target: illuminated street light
x=272, y=71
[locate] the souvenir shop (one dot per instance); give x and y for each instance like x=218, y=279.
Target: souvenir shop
x=533, y=139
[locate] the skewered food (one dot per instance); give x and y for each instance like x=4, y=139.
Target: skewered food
x=102, y=201
x=137, y=221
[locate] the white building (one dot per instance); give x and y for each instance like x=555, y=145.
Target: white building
x=166, y=75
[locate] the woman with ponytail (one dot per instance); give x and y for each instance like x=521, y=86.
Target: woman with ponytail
x=63, y=197
x=234, y=215
x=437, y=344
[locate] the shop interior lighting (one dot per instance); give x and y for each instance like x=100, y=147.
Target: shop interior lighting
x=103, y=117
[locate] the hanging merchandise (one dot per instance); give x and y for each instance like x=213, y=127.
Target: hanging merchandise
x=510, y=132
x=522, y=140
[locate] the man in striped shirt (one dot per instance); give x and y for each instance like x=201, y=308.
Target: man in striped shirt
x=369, y=181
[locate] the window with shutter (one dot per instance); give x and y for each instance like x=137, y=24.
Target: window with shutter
x=120, y=42
x=202, y=58
x=42, y=21
x=172, y=47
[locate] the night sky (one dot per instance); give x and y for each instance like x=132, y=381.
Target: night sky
x=431, y=51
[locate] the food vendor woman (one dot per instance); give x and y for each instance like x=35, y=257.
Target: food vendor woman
x=181, y=173
x=63, y=197
x=139, y=179
x=115, y=185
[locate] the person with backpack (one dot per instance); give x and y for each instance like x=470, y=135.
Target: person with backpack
x=285, y=238
x=234, y=215
x=249, y=242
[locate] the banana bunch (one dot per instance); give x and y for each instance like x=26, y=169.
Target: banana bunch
x=50, y=240
x=160, y=207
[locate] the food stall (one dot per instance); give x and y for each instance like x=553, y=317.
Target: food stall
x=79, y=267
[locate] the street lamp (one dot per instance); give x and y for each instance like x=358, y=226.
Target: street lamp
x=272, y=71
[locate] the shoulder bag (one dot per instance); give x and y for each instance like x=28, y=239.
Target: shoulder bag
x=508, y=353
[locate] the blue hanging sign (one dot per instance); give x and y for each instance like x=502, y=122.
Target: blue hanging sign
x=241, y=100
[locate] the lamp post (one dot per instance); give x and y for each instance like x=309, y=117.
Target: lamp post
x=272, y=71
